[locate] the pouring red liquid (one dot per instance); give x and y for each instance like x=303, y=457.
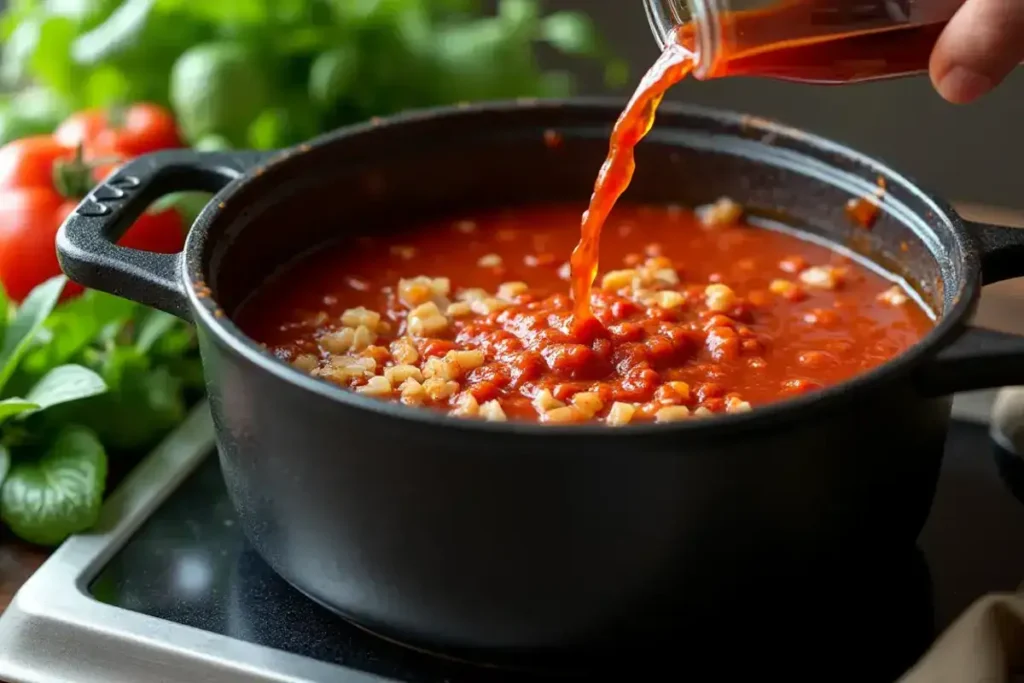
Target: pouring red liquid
x=675, y=63
x=822, y=41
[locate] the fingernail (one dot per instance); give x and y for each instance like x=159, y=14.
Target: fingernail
x=961, y=85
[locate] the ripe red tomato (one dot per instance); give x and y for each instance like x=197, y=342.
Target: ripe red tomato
x=29, y=219
x=162, y=232
x=33, y=207
x=126, y=132
x=29, y=162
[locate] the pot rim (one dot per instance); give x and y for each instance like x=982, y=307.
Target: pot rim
x=948, y=327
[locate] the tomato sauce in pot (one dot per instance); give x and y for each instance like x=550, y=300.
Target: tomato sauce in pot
x=695, y=313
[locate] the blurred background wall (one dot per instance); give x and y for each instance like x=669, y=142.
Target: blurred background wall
x=973, y=153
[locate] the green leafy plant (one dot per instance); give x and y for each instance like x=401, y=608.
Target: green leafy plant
x=52, y=487
x=59, y=492
x=91, y=377
x=268, y=73
x=99, y=377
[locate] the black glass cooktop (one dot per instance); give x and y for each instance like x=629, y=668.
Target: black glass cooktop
x=867, y=620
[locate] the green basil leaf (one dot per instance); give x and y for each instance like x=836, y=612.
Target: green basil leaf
x=143, y=402
x=78, y=10
x=65, y=384
x=333, y=75
x=120, y=32
x=16, y=13
x=106, y=85
x=73, y=326
x=572, y=33
x=9, y=407
x=51, y=64
x=5, y=463
x=46, y=500
x=210, y=143
x=5, y=313
x=155, y=325
x=223, y=13
x=27, y=321
x=281, y=127
x=32, y=111
x=18, y=52
x=521, y=13
x=189, y=204
x=177, y=342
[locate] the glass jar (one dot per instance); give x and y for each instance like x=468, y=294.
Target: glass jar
x=819, y=41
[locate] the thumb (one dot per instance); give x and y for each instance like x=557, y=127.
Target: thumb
x=982, y=43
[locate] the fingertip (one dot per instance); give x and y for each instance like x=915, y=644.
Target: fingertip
x=961, y=84
x=980, y=45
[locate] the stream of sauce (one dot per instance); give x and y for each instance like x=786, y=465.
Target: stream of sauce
x=766, y=42
x=675, y=63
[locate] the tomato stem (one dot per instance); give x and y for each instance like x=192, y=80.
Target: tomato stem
x=73, y=178
x=117, y=116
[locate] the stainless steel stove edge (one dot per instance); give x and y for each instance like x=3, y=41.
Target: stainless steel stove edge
x=56, y=632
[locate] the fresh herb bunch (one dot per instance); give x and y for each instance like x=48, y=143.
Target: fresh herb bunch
x=89, y=378
x=270, y=73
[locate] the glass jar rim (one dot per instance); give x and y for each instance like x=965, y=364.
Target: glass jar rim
x=666, y=16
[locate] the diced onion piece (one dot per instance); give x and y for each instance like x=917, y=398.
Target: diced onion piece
x=618, y=279
x=404, y=352
x=355, y=317
x=822, y=277
x=588, y=403
x=492, y=412
x=438, y=389
x=672, y=414
x=544, y=402
x=720, y=298
x=306, y=362
x=563, y=415
x=466, y=406
x=338, y=342
x=723, y=212
x=376, y=386
x=399, y=373
x=620, y=414
x=894, y=296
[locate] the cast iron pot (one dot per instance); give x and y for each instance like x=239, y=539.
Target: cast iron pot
x=512, y=536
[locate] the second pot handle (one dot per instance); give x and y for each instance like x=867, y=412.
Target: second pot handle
x=982, y=358
x=979, y=359
x=1002, y=251
x=87, y=241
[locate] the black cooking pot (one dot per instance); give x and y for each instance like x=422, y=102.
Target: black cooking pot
x=508, y=536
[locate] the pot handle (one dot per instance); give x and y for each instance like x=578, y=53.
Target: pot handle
x=87, y=241
x=982, y=358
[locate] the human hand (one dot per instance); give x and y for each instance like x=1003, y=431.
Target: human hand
x=982, y=43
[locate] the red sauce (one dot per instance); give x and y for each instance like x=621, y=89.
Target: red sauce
x=617, y=172
x=790, y=39
x=697, y=316
x=693, y=316
x=825, y=42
